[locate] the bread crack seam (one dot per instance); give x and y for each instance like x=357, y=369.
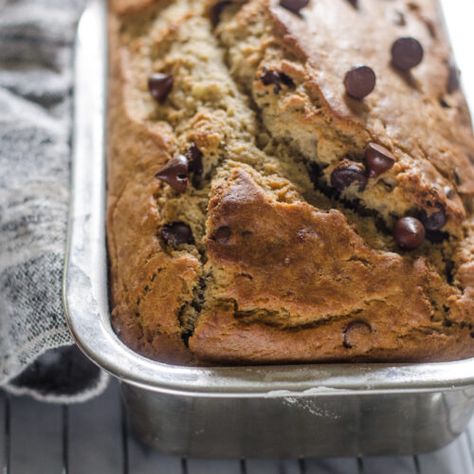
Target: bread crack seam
x=321, y=184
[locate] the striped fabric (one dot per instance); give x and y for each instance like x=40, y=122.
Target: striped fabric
x=36, y=38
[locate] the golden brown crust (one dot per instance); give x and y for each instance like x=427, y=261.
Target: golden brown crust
x=311, y=275
x=222, y=338
x=280, y=269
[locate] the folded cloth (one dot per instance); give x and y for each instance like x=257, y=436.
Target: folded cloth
x=36, y=352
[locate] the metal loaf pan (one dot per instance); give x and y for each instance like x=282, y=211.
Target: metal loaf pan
x=278, y=411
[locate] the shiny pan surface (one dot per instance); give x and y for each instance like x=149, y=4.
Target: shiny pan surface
x=279, y=411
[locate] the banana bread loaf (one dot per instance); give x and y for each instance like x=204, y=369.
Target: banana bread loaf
x=289, y=181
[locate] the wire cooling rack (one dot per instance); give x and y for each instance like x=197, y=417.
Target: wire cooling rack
x=92, y=438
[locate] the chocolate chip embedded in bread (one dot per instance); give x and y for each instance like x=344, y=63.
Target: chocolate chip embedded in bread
x=176, y=234
x=286, y=80
x=175, y=173
x=355, y=333
x=378, y=159
x=409, y=233
x=407, y=53
x=271, y=77
x=222, y=235
x=276, y=78
x=194, y=156
x=295, y=6
x=348, y=172
x=359, y=82
x=354, y=3
x=160, y=85
x=434, y=221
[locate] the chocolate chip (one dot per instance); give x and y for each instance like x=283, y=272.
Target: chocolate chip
x=378, y=159
x=453, y=79
x=222, y=235
x=217, y=9
x=354, y=3
x=359, y=82
x=276, y=78
x=176, y=234
x=355, y=330
x=160, y=85
x=409, y=233
x=347, y=173
x=294, y=5
x=286, y=80
x=175, y=173
x=194, y=156
x=407, y=53
x=435, y=221
x=271, y=77
x=436, y=236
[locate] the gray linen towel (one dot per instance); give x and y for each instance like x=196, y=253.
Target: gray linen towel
x=36, y=41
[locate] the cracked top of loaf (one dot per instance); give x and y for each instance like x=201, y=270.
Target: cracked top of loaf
x=289, y=181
